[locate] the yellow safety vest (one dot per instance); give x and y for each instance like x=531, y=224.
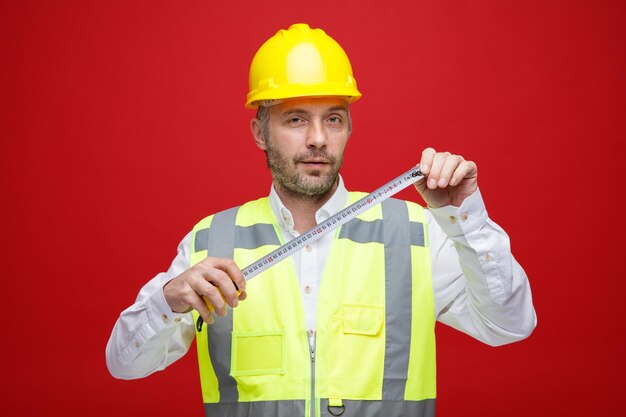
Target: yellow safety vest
x=375, y=345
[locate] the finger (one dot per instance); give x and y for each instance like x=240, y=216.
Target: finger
x=209, y=317
x=427, y=160
x=222, y=281
x=230, y=267
x=435, y=171
x=203, y=308
x=210, y=293
x=224, y=274
x=466, y=169
x=450, y=165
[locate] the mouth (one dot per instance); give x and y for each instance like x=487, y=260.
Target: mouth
x=314, y=162
x=314, y=167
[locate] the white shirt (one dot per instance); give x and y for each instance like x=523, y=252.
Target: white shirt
x=478, y=287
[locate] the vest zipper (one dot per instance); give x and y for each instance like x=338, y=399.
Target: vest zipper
x=312, y=380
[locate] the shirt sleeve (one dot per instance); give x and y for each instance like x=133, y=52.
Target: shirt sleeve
x=479, y=287
x=148, y=336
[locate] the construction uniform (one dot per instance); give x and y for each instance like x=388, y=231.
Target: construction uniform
x=374, y=347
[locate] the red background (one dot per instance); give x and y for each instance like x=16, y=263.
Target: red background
x=122, y=124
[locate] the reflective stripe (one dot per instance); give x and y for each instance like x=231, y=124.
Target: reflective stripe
x=398, y=289
x=201, y=240
x=361, y=231
x=294, y=408
x=417, y=233
x=220, y=243
x=246, y=237
x=362, y=408
x=255, y=236
x=283, y=408
x=352, y=408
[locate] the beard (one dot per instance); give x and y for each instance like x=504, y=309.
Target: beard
x=313, y=186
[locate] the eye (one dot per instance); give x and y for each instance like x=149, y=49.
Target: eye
x=295, y=120
x=335, y=120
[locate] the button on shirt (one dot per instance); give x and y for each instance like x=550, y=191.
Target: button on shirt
x=479, y=288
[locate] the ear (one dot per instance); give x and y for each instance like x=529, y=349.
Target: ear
x=255, y=127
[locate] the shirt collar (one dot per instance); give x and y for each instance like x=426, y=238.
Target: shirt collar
x=285, y=219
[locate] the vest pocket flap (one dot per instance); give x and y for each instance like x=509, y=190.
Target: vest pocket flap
x=258, y=353
x=362, y=319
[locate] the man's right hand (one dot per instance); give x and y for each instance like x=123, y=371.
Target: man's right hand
x=216, y=279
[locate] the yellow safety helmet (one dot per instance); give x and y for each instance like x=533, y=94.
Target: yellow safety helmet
x=300, y=62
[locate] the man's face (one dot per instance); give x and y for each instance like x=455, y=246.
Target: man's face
x=307, y=139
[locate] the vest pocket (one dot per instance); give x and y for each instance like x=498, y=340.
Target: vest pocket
x=352, y=355
x=362, y=319
x=258, y=353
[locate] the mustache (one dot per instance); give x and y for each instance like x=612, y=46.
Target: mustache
x=315, y=154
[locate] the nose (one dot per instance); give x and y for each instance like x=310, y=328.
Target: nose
x=317, y=137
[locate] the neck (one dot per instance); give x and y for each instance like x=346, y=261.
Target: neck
x=303, y=207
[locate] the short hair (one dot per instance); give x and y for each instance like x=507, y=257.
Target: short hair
x=263, y=116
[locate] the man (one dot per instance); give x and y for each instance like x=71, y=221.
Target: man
x=346, y=326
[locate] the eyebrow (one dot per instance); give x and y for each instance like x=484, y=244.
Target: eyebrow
x=300, y=111
x=336, y=108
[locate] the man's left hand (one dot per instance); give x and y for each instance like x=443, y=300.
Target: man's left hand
x=449, y=179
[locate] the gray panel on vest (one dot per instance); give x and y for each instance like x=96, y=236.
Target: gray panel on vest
x=361, y=231
x=398, y=296
x=363, y=408
x=255, y=236
x=283, y=408
x=417, y=234
x=201, y=240
x=220, y=244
